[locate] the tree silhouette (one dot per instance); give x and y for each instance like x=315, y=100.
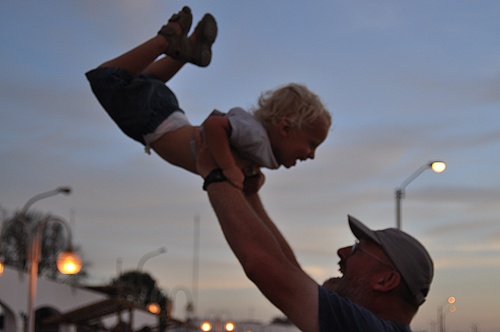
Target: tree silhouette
x=14, y=244
x=141, y=286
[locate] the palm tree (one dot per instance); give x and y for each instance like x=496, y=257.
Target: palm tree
x=14, y=244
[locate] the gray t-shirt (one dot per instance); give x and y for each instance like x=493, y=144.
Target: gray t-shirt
x=249, y=138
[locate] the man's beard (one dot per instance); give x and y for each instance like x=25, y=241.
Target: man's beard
x=354, y=288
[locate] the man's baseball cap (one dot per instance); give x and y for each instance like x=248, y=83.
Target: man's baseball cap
x=408, y=255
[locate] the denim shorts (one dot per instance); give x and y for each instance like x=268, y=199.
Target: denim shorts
x=138, y=105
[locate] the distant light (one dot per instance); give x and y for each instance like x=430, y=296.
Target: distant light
x=69, y=262
x=206, y=326
x=452, y=308
x=229, y=326
x=154, y=308
x=451, y=300
x=438, y=166
x=1, y=267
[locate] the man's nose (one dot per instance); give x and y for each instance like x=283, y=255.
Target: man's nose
x=311, y=154
x=344, y=252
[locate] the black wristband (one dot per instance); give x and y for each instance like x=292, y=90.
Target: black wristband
x=215, y=176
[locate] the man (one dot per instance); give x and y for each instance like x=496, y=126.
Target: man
x=386, y=275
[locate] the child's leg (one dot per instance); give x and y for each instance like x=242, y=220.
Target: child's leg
x=138, y=59
x=199, y=44
x=164, y=69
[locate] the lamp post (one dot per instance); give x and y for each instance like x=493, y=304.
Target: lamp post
x=436, y=166
x=35, y=248
x=67, y=263
x=22, y=219
x=152, y=305
x=442, y=314
x=50, y=193
x=189, y=300
x=149, y=255
x=29, y=203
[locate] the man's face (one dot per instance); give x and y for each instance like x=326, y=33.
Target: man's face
x=358, y=267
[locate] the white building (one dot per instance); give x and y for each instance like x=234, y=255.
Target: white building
x=66, y=304
x=63, y=308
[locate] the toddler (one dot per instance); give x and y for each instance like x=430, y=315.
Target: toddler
x=288, y=124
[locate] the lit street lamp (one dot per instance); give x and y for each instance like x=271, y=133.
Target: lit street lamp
x=442, y=314
x=219, y=323
x=68, y=262
x=30, y=202
x=436, y=166
x=206, y=326
x=152, y=306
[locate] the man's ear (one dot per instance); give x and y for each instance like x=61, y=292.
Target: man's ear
x=386, y=280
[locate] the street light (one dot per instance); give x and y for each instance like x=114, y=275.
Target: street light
x=35, y=250
x=436, y=166
x=60, y=190
x=50, y=193
x=207, y=325
x=442, y=314
x=220, y=323
x=189, y=301
x=68, y=262
x=149, y=255
x=152, y=305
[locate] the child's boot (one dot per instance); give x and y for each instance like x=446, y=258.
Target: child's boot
x=178, y=44
x=200, y=50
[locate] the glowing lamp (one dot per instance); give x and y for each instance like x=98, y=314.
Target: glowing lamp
x=206, y=326
x=229, y=326
x=438, y=166
x=69, y=262
x=154, y=308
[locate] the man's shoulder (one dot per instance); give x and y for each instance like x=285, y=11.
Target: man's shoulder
x=337, y=313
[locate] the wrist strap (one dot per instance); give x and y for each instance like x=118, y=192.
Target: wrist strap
x=215, y=176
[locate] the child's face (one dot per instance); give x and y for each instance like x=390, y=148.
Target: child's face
x=292, y=144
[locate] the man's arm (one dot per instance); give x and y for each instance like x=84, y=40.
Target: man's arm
x=256, y=204
x=264, y=255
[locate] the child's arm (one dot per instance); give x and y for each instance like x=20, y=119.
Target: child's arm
x=216, y=131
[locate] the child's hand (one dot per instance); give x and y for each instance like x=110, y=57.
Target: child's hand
x=253, y=183
x=235, y=176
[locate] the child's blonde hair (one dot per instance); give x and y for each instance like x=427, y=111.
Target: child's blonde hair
x=293, y=101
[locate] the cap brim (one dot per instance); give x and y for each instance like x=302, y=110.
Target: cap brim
x=360, y=231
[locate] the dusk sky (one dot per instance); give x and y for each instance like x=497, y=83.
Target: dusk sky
x=406, y=83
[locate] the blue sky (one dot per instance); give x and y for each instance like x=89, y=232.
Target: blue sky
x=406, y=82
